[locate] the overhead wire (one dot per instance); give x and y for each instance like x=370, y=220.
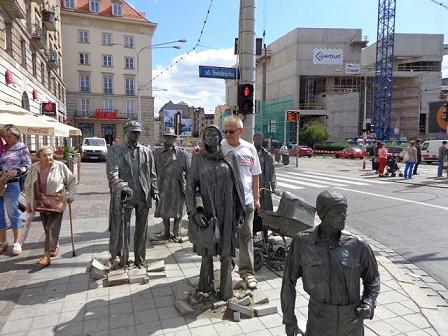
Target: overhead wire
x=440, y=3
x=180, y=59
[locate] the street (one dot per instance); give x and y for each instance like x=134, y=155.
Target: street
x=410, y=218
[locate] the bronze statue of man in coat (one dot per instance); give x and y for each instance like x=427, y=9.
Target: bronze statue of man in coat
x=133, y=184
x=172, y=168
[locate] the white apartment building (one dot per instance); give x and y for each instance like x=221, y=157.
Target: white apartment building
x=108, y=67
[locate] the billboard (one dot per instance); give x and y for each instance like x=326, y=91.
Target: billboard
x=187, y=127
x=169, y=118
x=437, y=117
x=328, y=56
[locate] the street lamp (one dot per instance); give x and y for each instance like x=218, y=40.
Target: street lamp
x=139, y=86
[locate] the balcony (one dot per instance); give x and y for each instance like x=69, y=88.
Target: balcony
x=53, y=59
x=361, y=41
x=15, y=8
x=39, y=37
x=49, y=20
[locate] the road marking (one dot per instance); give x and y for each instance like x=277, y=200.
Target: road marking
x=289, y=186
x=348, y=178
x=308, y=184
x=395, y=198
x=326, y=178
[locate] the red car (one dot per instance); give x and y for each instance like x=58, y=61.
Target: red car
x=350, y=153
x=305, y=151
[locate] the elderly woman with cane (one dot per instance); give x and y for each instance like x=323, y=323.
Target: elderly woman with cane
x=49, y=186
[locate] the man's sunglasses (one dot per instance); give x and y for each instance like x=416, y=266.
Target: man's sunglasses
x=229, y=131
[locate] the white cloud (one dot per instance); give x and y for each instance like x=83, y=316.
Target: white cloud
x=183, y=83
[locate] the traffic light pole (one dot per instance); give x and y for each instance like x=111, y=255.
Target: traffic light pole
x=246, y=52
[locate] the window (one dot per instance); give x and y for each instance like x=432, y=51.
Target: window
x=130, y=110
x=129, y=41
x=130, y=86
x=94, y=6
x=69, y=3
x=8, y=37
x=85, y=107
x=108, y=104
x=83, y=36
x=84, y=83
x=84, y=58
x=34, y=62
x=117, y=10
x=107, y=84
x=106, y=38
x=42, y=72
x=107, y=61
x=129, y=62
x=23, y=51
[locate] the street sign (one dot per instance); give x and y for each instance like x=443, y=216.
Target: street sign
x=273, y=126
x=218, y=72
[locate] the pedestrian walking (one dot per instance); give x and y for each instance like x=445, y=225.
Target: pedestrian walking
x=250, y=169
x=49, y=187
x=441, y=160
x=375, y=159
x=382, y=159
x=419, y=155
x=14, y=163
x=410, y=158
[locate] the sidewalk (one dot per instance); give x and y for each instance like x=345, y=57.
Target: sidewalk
x=62, y=299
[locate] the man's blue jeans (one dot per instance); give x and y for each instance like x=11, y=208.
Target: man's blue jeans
x=440, y=167
x=10, y=202
x=409, y=169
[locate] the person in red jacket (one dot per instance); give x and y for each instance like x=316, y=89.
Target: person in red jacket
x=382, y=157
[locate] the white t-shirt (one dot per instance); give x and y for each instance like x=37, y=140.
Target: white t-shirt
x=248, y=165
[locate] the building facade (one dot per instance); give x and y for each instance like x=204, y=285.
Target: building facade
x=323, y=73
x=108, y=76
x=417, y=82
x=30, y=59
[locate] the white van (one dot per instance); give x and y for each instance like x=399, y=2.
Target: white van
x=430, y=150
x=93, y=149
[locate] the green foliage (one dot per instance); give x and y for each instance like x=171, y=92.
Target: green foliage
x=314, y=132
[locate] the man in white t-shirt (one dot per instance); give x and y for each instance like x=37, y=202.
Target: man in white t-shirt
x=250, y=169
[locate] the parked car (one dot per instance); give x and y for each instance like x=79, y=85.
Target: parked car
x=350, y=153
x=305, y=151
x=430, y=150
x=93, y=149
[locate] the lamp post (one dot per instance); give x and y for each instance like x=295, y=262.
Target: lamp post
x=139, y=86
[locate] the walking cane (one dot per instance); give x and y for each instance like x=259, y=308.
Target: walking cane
x=71, y=229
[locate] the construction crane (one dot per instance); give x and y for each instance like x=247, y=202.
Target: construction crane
x=384, y=69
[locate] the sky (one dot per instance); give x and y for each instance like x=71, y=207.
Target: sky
x=183, y=19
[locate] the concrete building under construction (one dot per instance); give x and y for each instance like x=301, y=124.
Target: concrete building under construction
x=324, y=72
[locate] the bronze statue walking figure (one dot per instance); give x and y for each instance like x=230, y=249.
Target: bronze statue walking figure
x=331, y=263
x=215, y=206
x=172, y=168
x=133, y=184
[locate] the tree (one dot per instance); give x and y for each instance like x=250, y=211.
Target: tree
x=314, y=132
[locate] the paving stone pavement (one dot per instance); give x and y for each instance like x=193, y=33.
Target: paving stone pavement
x=62, y=300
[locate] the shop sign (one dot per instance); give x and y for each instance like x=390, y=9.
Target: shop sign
x=38, y=131
x=328, y=56
x=106, y=114
x=352, y=68
x=49, y=109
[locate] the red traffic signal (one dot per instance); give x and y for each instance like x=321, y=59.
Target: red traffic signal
x=246, y=98
x=292, y=116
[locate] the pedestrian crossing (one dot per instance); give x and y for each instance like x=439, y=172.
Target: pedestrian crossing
x=297, y=181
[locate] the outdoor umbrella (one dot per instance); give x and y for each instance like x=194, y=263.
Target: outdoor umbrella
x=69, y=130
x=27, y=122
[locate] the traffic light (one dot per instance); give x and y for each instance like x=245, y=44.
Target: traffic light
x=246, y=98
x=372, y=128
x=292, y=116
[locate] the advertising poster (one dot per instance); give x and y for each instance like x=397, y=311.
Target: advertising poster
x=169, y=118
x=187, y=127
x=328, y=56
x=437, y=117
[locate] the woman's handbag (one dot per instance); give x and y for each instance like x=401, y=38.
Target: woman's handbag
x=53, y=203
